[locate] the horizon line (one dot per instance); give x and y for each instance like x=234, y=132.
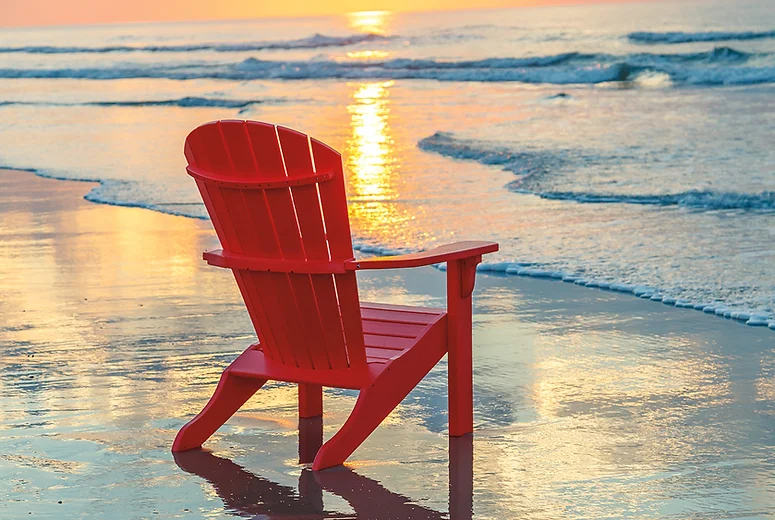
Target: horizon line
x=548, y=4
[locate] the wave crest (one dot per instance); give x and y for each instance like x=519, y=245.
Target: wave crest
x=701, y=199
x=313, y=42
x=720, y=66
x=184, y=102
x=689, y=37
x=524, y=163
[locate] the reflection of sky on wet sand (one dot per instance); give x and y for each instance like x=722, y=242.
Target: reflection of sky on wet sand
x=587, y=403
x=630, y=420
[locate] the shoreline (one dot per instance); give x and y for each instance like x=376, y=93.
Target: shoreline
x=115, y=332
x=753, y=318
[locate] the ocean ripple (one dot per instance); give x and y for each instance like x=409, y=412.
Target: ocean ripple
x=688, y=37
x=719, y=66
x=184, y=102
x=530, y=165
x=313, y=42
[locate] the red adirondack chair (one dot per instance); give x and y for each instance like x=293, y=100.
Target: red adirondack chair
x=277, y=201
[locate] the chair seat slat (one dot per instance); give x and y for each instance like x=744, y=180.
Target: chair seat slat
x=397, y=329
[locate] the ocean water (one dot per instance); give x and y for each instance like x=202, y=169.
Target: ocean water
x=617, y=146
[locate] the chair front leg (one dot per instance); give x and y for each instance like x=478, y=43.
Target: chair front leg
x=461, y=276
x=230, y=394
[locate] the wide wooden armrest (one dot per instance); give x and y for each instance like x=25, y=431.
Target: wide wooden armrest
x=220, y=258
x=446, y=253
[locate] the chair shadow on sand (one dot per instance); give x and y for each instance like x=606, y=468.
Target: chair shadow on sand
x=247, y=494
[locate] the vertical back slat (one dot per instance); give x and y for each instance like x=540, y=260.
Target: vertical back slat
x=219, y=162
x=248, y=286
x=197, y=155
x=334, y=207
x=350, y=310
x=298, y=164
x=272, y=290
x=235, y=137
x=233, y=151
x=330, y=320
x=333, y=201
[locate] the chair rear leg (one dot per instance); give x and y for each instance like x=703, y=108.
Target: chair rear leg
x=310, y=438
x=461, y=477
x=461, y=275
x=374, y=404
x=310, y=401
x=232, y=392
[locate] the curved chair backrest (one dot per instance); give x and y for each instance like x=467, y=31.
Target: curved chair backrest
x=274, y=194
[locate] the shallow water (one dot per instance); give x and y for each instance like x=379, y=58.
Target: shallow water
x=588, y=403
x=625, y=144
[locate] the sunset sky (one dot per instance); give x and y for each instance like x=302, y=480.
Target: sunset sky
x=68, y=12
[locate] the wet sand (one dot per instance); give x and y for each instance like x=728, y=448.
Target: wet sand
x=588, y=403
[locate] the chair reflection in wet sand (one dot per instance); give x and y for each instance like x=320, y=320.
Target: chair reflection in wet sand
x=249, y=494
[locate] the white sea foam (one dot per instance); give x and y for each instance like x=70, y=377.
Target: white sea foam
x=756, y=319
x=702, y=199
x=530, y=164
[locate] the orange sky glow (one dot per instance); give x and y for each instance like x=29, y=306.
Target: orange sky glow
x=81, y=12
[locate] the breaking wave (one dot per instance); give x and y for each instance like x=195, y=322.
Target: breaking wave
x=701, y=199
x=720, y=66
x=531, y=164
x=313, y=42
x=688, y=37
x=524, y=163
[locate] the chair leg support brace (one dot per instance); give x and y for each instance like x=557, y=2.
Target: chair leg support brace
x=460, y=285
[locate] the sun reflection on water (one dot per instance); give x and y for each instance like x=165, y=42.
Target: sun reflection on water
x=368, y=55
x=370, y=147
x=371, y=160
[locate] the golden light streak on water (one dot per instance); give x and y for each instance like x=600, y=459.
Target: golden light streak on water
x=372, y=161
x=367, y=55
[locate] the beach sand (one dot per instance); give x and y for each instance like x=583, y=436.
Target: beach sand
x=588, y=403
